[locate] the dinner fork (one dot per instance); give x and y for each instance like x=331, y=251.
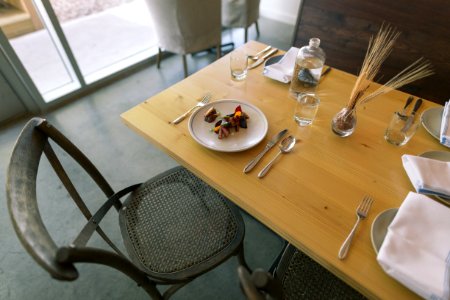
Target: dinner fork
x=361, y=213
x=205, y=100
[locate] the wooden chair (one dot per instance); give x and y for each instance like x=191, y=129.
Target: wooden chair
x=174, y=226
x=295, y=277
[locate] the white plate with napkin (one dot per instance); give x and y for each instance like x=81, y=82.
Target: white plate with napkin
x=428, y=176
x=445, y=126
x=283, y=69
x=416, y=249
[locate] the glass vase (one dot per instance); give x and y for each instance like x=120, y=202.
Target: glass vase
x=344, y=122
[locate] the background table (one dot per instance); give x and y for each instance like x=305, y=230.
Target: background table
x=310, y=195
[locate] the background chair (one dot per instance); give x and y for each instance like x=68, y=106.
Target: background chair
x=174, y=226
x=296, y=277
x=240, y=14
x=186, y=26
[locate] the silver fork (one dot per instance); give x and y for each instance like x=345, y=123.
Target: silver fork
x=205, y=100
x=361, y=213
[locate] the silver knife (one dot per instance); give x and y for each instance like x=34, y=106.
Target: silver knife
x=269, y=145
x=410, y=119
x=262, y=51
x=408, y=102
x=262, y=59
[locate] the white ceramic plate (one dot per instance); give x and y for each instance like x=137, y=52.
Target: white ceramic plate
x=380, y=226
x=438, y=155
x=442, y=156
x=431, y=120
x=255, y=132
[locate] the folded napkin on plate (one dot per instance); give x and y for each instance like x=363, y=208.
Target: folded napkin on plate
x=445, y=125
x=282, y=70
x=428, y=176
x=416, y=249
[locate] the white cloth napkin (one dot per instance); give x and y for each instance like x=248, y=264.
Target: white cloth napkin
x=282, y=70
x=428, y=176
x=445, y=128
x=416, y=249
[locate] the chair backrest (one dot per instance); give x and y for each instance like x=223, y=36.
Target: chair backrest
x=239, y=13
x=33, y=141
x=186, y=26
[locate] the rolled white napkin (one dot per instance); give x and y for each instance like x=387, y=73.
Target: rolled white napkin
x=282, y=70
x=416, y=249
x=445, y=125
x=428, y=176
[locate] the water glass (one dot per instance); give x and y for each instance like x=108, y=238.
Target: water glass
x=238, y=64
x=306, y=109
x=401, y=129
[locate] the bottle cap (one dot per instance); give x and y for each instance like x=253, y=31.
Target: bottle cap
x=314, y=42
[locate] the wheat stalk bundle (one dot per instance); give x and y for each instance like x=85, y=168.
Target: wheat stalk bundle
x=379, y=49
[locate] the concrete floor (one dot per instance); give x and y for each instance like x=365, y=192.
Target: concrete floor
x=93, y=124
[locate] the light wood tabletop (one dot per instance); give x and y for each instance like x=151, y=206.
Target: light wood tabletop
x=309, y=197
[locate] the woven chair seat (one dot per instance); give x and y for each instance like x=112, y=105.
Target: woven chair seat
x=175, y=222
x=306, y=279
x=294, y=276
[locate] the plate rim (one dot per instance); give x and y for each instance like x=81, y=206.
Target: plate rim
x=260, y=112
x=377, y=219
x=435, y=151
x=425, y=126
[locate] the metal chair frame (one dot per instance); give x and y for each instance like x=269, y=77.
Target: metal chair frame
x=59, y=261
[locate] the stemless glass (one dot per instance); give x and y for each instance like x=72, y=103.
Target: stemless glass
x=401, y=129
x=238, y=64
x=306, y=109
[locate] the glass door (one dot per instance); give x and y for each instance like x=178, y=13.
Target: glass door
x=106, y=36
x=34, y=45
x=64, y=46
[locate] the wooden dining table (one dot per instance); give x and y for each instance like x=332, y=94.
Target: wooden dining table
x=309, y=197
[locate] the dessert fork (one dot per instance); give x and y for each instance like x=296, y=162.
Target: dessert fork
x=361, y=213
x=199, y=104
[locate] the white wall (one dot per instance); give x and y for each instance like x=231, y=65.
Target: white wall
x=281, y=10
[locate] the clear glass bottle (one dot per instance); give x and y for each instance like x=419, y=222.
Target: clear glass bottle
x=308, y=68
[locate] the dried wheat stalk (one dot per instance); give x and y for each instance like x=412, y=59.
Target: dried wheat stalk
x=379, y=49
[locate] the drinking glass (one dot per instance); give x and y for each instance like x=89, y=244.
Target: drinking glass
x=238, y=64
x=306, y=109
x=401, y=129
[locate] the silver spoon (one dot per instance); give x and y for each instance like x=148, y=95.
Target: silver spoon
x=286, y=145
x=256, y=56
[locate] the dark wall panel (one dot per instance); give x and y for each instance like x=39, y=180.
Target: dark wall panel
x=345, y=26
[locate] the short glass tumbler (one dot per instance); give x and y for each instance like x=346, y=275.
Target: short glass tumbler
x=401, y=129
x=306, y=109
x=238, y=65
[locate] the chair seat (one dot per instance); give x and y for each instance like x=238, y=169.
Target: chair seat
x=176, y=227
x=303, y=278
